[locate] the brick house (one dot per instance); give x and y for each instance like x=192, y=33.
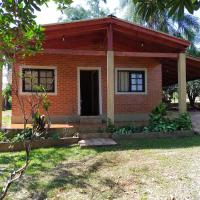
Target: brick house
x=104, y=68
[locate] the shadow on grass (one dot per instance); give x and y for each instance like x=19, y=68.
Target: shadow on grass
x=158, y=143
x=74, y=175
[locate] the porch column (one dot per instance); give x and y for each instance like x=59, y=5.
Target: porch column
x=182, y=83
x=110, y=86
x=1, y=99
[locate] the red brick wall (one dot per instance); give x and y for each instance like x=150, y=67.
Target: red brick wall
x=65, y=102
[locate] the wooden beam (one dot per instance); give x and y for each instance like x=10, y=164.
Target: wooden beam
x=110, y=38
x=116, y=53
x=74, y=52
x=147, y=54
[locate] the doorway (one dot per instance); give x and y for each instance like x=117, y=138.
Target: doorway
x=89, y=92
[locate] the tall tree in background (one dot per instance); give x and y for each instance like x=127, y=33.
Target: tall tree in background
x=187, y=27
x=146, y=8
x=78, y=12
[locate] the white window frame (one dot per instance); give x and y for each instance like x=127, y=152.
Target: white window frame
x=78, y=87
x=36, y=67
x=130, y=69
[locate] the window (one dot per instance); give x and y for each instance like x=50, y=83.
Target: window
x=36, y=77
x=130, y=81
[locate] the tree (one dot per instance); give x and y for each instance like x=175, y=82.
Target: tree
x=186, y=27
x=193, y=91
x=21, y=36
x=7, y=94
x=147, y=8
x=94, y=10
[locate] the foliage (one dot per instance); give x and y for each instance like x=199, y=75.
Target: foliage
x=3, y=137
x=147, y=8
x=193, y=91
x=7, y=95
x=93, y=10
x=169, y=93
x=155, y=14
x=55, y=136
x=159, y=110
x=127, y=130
x=24, y=135
x=20, y=35
x=158, y=122
x=110, y=127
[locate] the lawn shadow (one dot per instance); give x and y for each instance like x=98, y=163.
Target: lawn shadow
x=153, y=143
x=77, y=175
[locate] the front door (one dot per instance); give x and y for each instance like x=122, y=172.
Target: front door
x=89, y=92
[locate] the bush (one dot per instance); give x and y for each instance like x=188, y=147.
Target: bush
x=25, y=134
x=55, y=136
x=158, y=122
x=3, y=137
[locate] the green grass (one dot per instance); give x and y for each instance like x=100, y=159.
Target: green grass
x=137, y=169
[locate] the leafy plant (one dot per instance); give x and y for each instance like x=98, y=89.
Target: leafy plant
x=158, y=122
x=161, y=109
x=24, y=135
x=55, y=136
x=3, y=137
x=111, y=128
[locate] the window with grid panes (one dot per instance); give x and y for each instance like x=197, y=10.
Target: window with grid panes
x=38, y=77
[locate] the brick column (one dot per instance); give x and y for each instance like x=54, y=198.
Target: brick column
x=182, y=83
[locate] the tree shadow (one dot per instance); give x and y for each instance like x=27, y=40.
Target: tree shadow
x=153, y=143
x=75, y=175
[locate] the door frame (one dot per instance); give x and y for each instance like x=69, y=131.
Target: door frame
x=78, y=87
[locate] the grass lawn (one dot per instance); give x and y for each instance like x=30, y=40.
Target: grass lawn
x=139, y=169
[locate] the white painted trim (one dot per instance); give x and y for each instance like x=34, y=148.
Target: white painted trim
x=78, y=87
x=36, y=67
x=131, y=69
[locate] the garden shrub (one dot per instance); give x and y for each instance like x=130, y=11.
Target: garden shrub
x=54, y=136
x=158, y=122
x=3, y=137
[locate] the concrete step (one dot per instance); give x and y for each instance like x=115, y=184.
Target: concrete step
x=88, y=135
x=90, y=128
x=90, y=120
x=93, y=142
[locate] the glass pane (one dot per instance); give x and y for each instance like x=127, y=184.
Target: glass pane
x=49, y=87
x=133, y=88
x=133, y=75
x=43, y=81
x=49, y=74
x=27, y=87
x=133, y=81
x=34, y=83
x=139, y=75
x=49, y=80
x=123, y=82
x=42, y=73
x=27, y=73
x=139, y=88
x=34, y=74
x=139, y=81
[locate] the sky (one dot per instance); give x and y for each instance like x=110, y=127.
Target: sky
x=51, y=15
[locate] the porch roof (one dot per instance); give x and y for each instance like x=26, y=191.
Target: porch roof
x=90, y=37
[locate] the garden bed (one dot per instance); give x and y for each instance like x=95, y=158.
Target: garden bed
x=150, y=135
x=43, y=143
